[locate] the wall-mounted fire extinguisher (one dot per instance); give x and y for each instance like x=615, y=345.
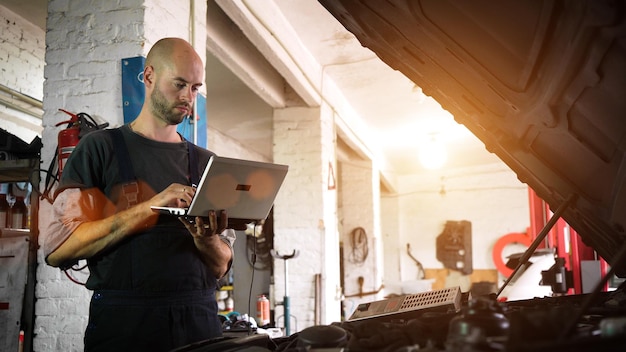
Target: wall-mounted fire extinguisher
x=77, y=126
x=68, y=139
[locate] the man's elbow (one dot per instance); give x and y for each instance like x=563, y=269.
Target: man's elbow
x=57, y=260
x=219, y=272
x=54, y=260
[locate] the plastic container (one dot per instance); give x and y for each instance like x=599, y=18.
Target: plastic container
x=263, y=311
x=230, y=304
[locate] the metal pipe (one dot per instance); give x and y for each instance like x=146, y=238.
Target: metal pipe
x=287, y=304
x=318, y=299
x=23, y=97
x=192, y=39
x=13, y=106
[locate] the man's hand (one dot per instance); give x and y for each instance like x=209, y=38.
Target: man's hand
x=206, y=227
x=215, y=253
x=175, y=195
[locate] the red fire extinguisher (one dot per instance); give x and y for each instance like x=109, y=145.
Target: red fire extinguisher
x=77, y=126
x=68, y=139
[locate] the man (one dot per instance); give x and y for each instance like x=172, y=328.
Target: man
x=154, y=277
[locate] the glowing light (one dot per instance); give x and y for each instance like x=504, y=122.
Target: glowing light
x=432, y=153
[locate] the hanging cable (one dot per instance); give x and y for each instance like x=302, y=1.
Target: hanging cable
x=72, y=278
x=259, y=245
x=359, y=245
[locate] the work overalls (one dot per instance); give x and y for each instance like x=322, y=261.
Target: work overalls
x=163, y=295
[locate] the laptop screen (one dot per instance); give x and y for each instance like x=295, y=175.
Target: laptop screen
x=245, y=189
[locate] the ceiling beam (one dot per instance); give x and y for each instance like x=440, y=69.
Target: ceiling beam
x=263, y=37
x=266, y=28
x=226, y=42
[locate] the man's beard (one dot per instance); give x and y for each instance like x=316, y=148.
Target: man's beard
x=164, y=110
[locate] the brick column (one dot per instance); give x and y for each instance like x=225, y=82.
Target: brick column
x=305, y=218
x=85, y=45
x=360, y=204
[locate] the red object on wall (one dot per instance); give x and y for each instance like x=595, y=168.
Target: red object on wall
x=67, y=140
x=562, y=238
x=498, y=248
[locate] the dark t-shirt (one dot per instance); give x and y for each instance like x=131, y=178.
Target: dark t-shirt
x=161, y=258
x=155, y=164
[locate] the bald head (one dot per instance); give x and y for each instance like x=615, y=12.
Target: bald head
x=166, y=52
x=173, y=74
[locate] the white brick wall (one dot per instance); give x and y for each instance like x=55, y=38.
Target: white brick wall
x=358, y=188
x=22, y=49
x=305, y=213
x=83, y=74
x=331, y=281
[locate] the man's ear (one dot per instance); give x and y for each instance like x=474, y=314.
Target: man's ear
x=148, y=75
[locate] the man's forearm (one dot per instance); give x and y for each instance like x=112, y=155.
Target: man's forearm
x=216, y=254
x=91, y=238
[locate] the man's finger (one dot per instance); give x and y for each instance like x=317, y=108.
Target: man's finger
x=223, y=220
x=213, y=221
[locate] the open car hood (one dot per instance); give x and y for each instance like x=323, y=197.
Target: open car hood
x=542, y=83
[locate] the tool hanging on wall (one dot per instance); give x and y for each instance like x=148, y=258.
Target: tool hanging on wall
x=454, y=246
x=259, y=242
x=358, y=243
x=286, y=303
x=361, y=281
x=420, y=274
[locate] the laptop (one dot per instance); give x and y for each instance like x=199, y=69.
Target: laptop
x=246, y=189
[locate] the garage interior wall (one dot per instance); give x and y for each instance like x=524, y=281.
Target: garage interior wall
x=311, y=216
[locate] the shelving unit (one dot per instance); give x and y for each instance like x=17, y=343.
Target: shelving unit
x=18, y=261
x=17, y=170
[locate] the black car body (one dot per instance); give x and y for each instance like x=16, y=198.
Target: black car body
x=543, y=84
